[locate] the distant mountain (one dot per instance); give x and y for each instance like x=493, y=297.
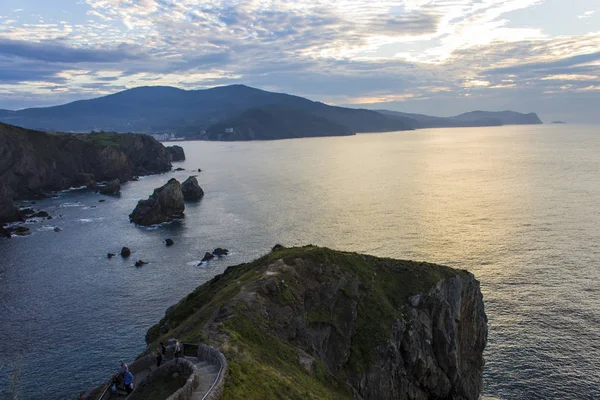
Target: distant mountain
x=206, y=113
x=505, y=117
x=474, y=118
x=271, y=122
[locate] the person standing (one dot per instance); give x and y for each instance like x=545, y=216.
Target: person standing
x=128, y=381
x=163, y=349
x=124, y=369
x=159, y=357
x=178, y=350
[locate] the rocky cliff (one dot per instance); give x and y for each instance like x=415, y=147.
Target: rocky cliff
x=32, y=162
x=315, y=323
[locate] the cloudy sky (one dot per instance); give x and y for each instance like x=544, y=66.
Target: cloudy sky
x=440, y=57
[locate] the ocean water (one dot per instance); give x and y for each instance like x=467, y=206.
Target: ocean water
x=517, y=206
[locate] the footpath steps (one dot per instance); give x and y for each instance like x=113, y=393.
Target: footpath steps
x=208, y=375
x=210, y=365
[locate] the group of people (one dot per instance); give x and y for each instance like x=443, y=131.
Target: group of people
x=125, y=376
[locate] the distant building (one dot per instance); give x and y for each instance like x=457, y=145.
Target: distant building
x=161, y=137
x=229, y=130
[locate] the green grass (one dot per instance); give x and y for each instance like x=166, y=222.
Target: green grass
x=262, y=365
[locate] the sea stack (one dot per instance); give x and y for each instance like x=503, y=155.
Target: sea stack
x=164, y=205
x=176, y=153
x=191, y=189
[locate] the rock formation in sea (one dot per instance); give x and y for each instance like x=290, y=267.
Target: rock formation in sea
x=176, y=153
x=191, y=189
x=164, y=205
x=33, y=162
x=316, y=323
x=111, y=187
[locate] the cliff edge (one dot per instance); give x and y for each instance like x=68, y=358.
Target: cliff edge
x=32, y=162
x=312, y=322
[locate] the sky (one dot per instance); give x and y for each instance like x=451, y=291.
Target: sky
x=438, y=57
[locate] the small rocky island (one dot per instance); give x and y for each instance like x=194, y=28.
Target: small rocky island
x=314, y=323
x=164, y=205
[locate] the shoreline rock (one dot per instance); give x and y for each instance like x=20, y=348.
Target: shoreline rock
x=111, y=187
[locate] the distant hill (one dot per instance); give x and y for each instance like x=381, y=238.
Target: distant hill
x=474, y=118
x=207, y=112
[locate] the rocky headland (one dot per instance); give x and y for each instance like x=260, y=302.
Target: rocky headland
x=311, y=322
x=33, y=163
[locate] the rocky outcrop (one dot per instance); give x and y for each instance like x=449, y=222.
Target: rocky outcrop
x=164, y=205
x=363, y=327
x=176, y=153
x=33, y=162
x=111, y=187
x=191, y=189
x=8, y=211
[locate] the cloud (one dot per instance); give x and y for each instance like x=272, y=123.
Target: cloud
x=53, y=51
x=587, y=14
x=347, y=51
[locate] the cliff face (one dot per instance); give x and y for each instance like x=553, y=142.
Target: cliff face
x=32, y=162
x=339, y=325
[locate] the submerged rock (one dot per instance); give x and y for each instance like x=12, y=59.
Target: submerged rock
x=207, y=256
x=139, y=263
x=125, y=252
x=41, y=214
x=169, y=242
x=21, y=231
x=220, y=252
x=57, y=229
x=110, y=255
x=111, y=187
x=164, y=205
x=179, y=169
x=176, y=153
x=191, y=189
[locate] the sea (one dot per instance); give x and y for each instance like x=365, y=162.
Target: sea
x=519, y=206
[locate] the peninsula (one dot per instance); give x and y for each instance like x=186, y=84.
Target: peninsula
x=314, y=323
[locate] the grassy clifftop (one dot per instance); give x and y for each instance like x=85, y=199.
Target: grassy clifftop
x=300, y=323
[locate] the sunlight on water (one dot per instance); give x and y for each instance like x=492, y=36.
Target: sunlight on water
x=517, y=206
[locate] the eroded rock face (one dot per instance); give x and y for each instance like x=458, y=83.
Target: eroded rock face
x=111, y=187
x=191, y=189
x=164, y=205
x=176, y=153
x=437, y=352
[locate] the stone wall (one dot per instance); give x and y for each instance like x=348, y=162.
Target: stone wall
x=179, y=365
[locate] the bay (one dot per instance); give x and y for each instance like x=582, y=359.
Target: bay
x=517, y=206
